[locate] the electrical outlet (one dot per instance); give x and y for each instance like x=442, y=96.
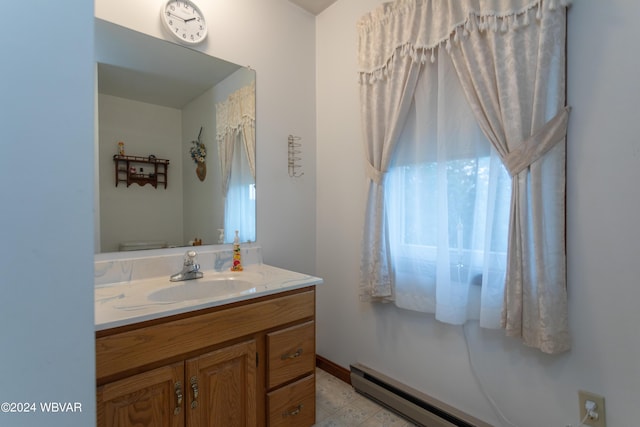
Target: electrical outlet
x=598, y=417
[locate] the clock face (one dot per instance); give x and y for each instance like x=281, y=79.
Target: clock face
x=184, y=20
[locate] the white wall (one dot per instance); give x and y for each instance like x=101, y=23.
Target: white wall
x=139, y=213
x=603, y=241
x=46, y=221
x=277, y=39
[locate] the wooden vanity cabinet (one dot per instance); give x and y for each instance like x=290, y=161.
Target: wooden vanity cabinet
x=148, y=399
x=290, y=376
x=222, y=387
x=248, y=364
x=214, y=389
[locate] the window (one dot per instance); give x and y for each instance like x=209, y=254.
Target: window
x=448, y=199
x=511, y=62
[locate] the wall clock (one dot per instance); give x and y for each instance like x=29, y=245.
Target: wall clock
x=184, y=20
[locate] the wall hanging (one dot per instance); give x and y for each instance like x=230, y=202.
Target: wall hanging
x=199, y=155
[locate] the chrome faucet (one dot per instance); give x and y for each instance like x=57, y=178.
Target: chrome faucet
x=190, y=268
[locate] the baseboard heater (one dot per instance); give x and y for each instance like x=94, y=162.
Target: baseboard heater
x=409, y=403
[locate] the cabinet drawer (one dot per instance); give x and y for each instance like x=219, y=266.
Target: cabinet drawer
x=291, y=353
x=293, y=405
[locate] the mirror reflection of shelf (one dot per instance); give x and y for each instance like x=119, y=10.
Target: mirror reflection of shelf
x=130, y=170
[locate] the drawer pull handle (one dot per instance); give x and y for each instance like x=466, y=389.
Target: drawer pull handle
x=194, y=387
x=178, y=390
x=292, y=355
x=293, y=413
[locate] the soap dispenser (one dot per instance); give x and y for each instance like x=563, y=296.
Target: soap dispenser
x=237, y=261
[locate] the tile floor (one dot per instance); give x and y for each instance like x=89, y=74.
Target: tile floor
x=338, y=405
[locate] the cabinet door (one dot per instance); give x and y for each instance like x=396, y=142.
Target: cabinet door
x=221, y=387
x=153, y=399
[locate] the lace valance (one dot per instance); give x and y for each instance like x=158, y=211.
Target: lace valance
x=417, y=27
x=236, y=111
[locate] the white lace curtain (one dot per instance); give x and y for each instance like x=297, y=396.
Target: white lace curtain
x=235, y=118
x=235, y=134
x=509, y=56
x=447, y=203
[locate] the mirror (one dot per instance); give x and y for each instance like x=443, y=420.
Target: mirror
x=160, y=100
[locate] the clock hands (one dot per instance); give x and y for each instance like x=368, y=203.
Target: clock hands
x=176, y=16
x=181, y=18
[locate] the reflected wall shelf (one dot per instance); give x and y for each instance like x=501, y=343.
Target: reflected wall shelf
x=141, y=170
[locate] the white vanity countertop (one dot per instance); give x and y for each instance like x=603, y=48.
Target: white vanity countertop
x=131, y=302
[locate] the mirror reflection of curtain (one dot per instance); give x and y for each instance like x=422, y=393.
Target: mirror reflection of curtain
x=240, y=197
x=235, y=129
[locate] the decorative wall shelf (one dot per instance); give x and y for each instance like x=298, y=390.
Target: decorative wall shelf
x=132, y=170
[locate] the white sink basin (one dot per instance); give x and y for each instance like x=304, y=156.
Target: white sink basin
x=126, y=302
x=207, y=288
